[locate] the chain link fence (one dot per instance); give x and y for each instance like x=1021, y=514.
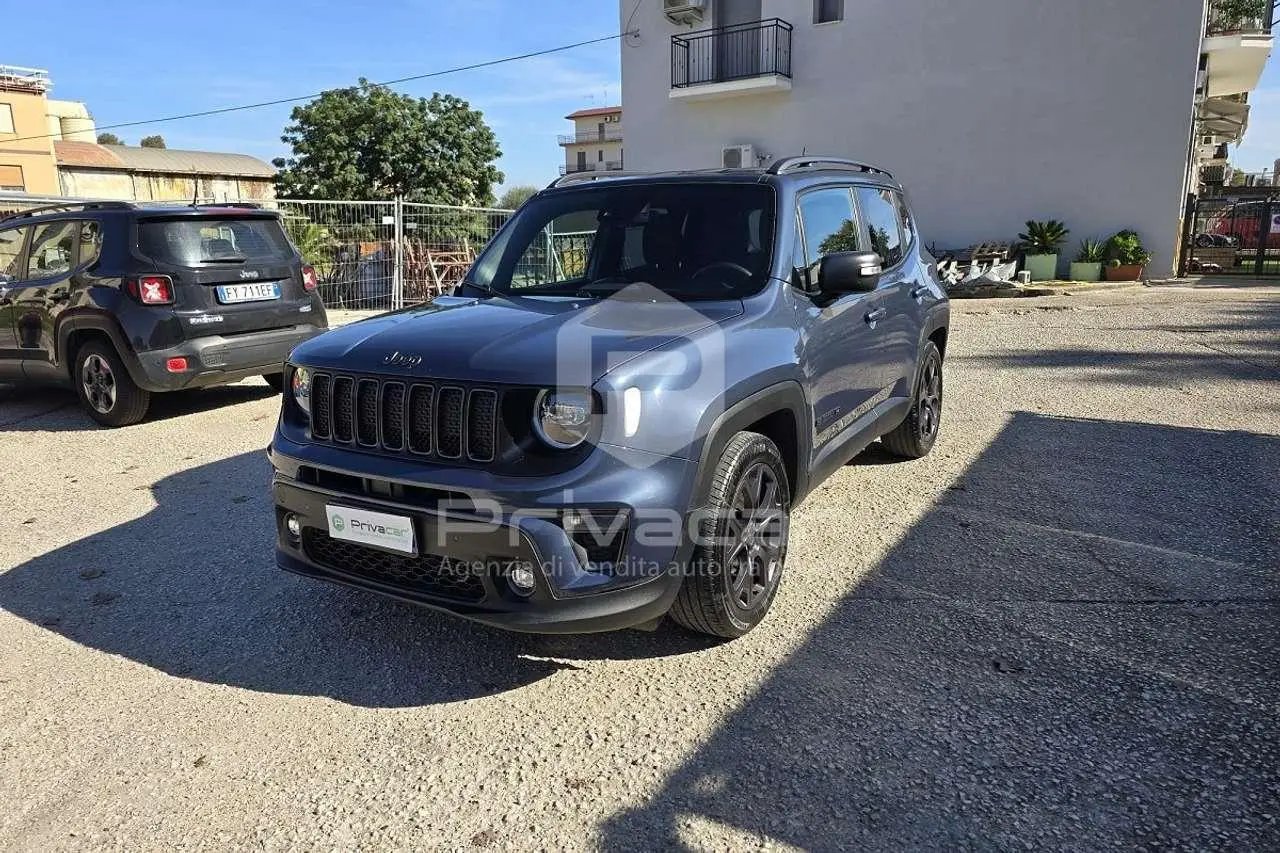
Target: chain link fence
x=369, y=256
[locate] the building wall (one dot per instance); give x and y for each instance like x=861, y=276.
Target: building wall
x=990, y=112
x=610, y=150
x=126, y=186
x=33, y=156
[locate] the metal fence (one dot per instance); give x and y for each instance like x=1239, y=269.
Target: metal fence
x=368, y=255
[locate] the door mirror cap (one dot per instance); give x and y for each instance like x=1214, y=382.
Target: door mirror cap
x=850, y=272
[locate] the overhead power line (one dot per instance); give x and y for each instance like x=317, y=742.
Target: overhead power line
x=223, y=110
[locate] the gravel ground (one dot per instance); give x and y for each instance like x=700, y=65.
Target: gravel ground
x=1060, y=630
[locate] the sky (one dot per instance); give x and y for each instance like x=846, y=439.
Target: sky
x=208, y=56
x=234, y=52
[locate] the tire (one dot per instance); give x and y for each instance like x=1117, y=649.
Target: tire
x=275, y=380
x=718, y=596
x=915, y=436
x=107, y=392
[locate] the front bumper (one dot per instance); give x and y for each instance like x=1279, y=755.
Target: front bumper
x=471, y=527
x=216, y=360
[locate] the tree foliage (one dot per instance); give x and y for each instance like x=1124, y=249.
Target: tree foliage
x=156, y=141
x=109, y=139
x=368, y=142
x=515, y=196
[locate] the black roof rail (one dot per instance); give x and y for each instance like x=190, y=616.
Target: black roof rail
x=792, y=164
x=583, y=177
x=66, y=205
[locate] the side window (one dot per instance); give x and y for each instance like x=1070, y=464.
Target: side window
x=53, y=248
x=10, y=250
x=829, y=223
x=881, y=211
x=904, y=219
x=90, y=243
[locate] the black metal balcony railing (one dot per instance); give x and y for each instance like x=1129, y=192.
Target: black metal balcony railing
x=735, y=52
x=1229, y=17
x=606, y=166
x=588, y=136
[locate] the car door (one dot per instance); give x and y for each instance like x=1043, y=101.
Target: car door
x=840, y=344
x=896, y=309
x=45, y=290
x=12, y=243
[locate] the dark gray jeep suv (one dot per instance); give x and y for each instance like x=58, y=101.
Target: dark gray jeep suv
x=614, y=415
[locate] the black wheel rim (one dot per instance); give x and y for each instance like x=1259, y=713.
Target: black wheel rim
x=756, y=536
x=99, y=384
x=929, y=400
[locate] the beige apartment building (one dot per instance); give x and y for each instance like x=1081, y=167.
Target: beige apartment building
x=26, y=146
x=596, y=142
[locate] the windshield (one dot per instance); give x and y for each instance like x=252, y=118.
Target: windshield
x=693, y=241
x=197, y=242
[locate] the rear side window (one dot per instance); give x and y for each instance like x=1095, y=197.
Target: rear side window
x=881, y=211
x=90, y=242
x=10, y=250
x=53, y=248
x=195, y=242
x=904, y=218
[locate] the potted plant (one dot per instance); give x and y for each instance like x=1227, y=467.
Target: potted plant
x=1040, y=244
x=1088, y=263
x=1127, y=258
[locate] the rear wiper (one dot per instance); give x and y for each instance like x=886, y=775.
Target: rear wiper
x=233, y=259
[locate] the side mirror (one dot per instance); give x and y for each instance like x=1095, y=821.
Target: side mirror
x=849, y=272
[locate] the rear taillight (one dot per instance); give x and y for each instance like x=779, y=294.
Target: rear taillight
x=151, y=289
x=309, y=280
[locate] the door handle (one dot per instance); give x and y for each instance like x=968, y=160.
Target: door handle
x=919, y=292
x=873, y=317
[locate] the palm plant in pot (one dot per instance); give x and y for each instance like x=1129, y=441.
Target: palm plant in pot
x=1040, y=244
x=1127, y=258
x=1088, y=263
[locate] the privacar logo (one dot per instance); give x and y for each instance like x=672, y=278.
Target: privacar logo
x=338, y=523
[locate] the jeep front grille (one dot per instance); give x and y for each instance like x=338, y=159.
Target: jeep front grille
x=437, y=420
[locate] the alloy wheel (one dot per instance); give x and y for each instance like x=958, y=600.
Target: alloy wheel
x=99, y=383
x=756, y=536
x=929, y=400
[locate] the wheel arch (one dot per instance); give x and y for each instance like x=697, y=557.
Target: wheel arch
x=73, y=332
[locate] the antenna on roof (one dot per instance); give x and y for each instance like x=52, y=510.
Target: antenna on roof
x=804, y=150
x=195, y=194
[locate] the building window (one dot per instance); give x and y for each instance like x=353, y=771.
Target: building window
x=6, y=119
x=11, y=178
x=599, y=156
x=826, y=11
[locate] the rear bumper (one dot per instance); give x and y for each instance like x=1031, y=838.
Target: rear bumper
x=216, y=359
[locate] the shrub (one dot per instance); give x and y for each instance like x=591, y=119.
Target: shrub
x=1091, y=252
x=1044, y=238
x=1125, y=249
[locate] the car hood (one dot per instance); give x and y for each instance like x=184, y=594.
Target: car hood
x=519, y=340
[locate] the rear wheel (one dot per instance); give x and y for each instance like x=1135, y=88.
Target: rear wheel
x=275, y=380
x=736, y=567
x=105, y=388
x=915, y=436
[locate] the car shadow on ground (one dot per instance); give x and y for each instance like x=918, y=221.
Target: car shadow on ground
x=191, y=589
x=53, y=409
x=1076, y=647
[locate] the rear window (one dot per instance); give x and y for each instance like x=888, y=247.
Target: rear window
x=194, y=242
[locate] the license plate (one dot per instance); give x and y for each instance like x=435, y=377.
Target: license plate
x=393, y=532
x=229, y=294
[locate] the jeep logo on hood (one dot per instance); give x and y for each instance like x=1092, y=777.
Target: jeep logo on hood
x=400, y=359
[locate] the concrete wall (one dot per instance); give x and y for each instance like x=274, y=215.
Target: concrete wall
x=991, y=112
x=107, y=183
x=33, y=156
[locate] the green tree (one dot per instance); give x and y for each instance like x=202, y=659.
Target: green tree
x=156, y=141
x=515, y=196
x=368, y=142
x=109, y=139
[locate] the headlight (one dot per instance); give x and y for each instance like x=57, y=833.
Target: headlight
x=562, y=418
x=301, y=388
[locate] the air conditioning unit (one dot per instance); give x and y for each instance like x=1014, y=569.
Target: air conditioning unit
x=684, y=11
x=738, y=157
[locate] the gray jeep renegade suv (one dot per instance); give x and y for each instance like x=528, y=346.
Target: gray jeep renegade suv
x=612, y=418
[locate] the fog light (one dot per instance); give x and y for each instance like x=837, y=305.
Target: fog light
x=521, y=578
x=294, y=526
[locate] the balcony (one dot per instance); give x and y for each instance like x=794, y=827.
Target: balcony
x=588, y=137
x=1238, y=40
x=606, y=166
x=743, y=59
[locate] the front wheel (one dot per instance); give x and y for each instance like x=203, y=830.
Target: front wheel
x=915, y=436
x=737, y=565
x=105, y=388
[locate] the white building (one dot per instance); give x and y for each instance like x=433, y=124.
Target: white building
x=596, y=141
x=991, y=112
